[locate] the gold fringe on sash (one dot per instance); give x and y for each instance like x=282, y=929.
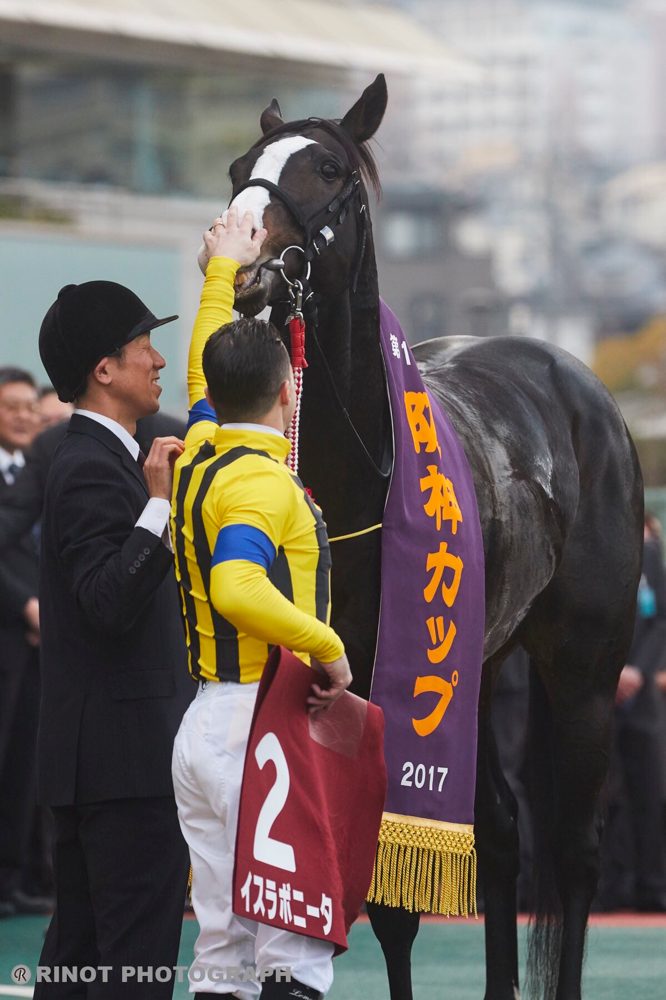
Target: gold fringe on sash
x=425, y=865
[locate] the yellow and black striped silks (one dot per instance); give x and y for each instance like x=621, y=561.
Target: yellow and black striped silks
x=252, y=556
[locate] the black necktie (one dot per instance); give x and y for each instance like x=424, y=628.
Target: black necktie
x=13, y=471
x=141, y=458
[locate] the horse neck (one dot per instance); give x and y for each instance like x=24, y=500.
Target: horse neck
x=332, y=461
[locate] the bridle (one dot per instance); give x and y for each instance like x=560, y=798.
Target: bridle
x=319, y=229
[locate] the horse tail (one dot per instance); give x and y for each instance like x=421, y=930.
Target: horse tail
x=545, y=930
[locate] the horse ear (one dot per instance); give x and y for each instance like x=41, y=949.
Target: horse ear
x=362, y=121
x=271, y=117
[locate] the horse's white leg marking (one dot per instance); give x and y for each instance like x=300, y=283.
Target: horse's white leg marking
x=269, y=166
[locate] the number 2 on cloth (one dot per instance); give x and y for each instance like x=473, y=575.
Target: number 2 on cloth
x=266, y=849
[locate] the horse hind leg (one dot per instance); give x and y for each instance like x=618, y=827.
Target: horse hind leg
x=396, y=930
x=496, y=834
x=578, y=655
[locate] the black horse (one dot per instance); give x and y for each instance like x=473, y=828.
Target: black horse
x=561, y=504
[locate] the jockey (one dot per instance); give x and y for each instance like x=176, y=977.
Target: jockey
x=253, y=565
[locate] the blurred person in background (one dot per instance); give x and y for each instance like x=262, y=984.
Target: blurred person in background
x=660, y=679
x=51, y=409
x=654, y=531
x=21, y=505
x=635, y=824
x=19, y=655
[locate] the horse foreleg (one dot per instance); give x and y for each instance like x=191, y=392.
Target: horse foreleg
x=497, y=849
x=396, y=929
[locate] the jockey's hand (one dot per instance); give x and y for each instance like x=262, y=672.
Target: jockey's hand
x=339, y=677
x=233, y=238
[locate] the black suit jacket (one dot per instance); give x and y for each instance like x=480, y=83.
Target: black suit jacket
x=21, y=504
x=115, y=682
x=19, y=572
x=647, y=647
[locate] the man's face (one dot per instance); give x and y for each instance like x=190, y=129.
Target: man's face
x=19, y=415
x=136, y=377
x=52, y=411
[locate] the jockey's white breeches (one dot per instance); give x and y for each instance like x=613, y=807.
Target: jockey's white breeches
x=208, y=759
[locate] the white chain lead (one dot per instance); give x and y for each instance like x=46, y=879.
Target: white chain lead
x=293, y=430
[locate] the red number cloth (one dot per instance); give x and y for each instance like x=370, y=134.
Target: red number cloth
x=309, y=817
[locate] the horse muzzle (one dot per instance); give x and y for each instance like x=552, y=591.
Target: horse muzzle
x=255, y=286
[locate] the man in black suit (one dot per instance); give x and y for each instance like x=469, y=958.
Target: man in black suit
x=114, y=672
x=19, y=656
x=21, y=505
x=635, y=830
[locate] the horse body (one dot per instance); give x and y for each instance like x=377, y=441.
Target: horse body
x=560, y=501
x=539, y=430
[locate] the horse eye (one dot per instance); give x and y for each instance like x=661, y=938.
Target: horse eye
x=329, y=171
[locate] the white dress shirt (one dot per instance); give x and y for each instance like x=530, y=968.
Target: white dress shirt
x=155, y=515
x=264, y=428
x=7, y=460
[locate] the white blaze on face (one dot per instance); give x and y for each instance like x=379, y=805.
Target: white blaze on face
x=269, y=167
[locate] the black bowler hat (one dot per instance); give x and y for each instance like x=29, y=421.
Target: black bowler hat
x=86, y=323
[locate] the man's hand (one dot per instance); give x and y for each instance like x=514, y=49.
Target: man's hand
x=339, y=676
x=631, y=681
x=232, y=238
x=158, y=467
x=31, y=614
x=33, y=638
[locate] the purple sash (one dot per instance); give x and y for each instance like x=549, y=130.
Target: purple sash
x=429, y=651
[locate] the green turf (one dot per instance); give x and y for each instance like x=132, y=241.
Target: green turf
x=448, y=962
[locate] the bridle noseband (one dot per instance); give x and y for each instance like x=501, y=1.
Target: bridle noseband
x=319, y=229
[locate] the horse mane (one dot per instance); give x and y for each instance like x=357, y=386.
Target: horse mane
x=359, y=155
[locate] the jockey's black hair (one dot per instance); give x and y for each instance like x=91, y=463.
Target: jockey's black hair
x=245, y=364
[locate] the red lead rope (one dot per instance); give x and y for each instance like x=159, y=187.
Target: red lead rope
x=297, y=334
x=298, y=363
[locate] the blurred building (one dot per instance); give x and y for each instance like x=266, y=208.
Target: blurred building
x=429, y=281
x=652, y=13
x=634, y=204
x=118, y=123
x=580, y=78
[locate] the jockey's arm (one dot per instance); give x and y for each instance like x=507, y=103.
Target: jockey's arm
x=215, y=310
x=228, y=246
x=242, y=593
x=254, y=517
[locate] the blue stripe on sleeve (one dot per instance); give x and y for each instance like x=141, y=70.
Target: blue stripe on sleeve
x=202, y=410
x=242, y=541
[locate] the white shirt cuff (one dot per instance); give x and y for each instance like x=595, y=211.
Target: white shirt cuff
x=155, y=516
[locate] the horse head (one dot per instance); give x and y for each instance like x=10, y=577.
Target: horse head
x=304, y=181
